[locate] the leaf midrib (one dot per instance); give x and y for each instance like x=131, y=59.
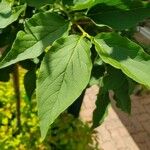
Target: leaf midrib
x=57, y=99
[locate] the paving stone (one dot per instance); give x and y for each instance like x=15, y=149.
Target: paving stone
x=145, y=100
x=148, y=143
x=143, y=117
x=104, y=134
x=135, y=111
x=120, y=131
x=146, y=126
x=112, y=125
x=136, y=124
x=125, y=148
x=143, y=146
x=108, y=146
x=118, y=141
x=140, y=137
x=147, y=108
x=130, y=143
x=123, y=132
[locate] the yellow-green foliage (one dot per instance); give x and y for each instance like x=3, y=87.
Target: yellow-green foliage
x=9, y=138
x=66, y=133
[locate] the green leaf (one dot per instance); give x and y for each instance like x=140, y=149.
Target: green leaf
x=30, y=83
x=5, y=7
x=122, y=4
x=40, y=31
x=86, y=4
x=67, y=3
x=118, y=82
x=27, y=64
x=101, y=110
x=64, y=73
x=124, y=54
x=5, y=38
x=5, y=74
x=8, y=14
x=39, y=3
x=98, y=71
x=82, y=4
x=110, y=15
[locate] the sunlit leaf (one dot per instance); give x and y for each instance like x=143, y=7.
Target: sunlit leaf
x=124, y=54
x=40, y=31
x=64, y=73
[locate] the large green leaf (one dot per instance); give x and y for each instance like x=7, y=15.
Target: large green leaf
x=124, y=54
x=118, y=82
x=40, y=31
x=118, y=18
x=64, y=73
x=8, y=14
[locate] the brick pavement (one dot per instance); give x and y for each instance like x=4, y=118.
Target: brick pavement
x=119, y=130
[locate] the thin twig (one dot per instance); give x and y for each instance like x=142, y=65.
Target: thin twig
x=17, y=94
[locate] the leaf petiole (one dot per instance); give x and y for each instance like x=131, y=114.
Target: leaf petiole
x=85, y=34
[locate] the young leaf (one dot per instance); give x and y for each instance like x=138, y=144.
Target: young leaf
x=110, y=15
x=40, y=31
x=124, y=54
x=101, y=110
x=117, y=81
x=64, y=73
x=30, y=83
x=8, y=14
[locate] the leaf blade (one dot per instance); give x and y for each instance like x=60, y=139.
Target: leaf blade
x=39, y=33
x=117, y=81
x=8, y=15
x=109, y=15
x=132, y=59
x=101, y=110
x=59, y=82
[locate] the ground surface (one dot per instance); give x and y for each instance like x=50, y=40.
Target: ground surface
x=121, y=131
